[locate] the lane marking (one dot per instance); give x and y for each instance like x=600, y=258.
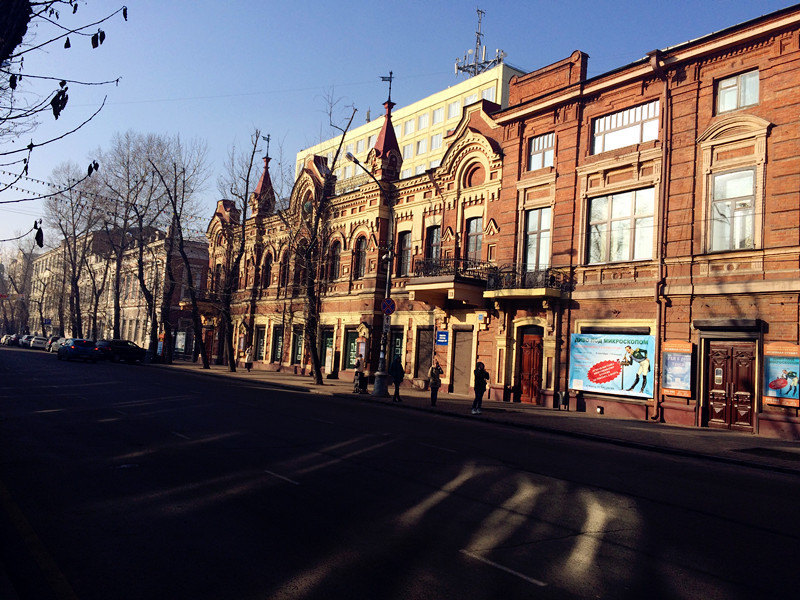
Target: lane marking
x=502, y=568
x=124, y=414
x=438, y=448
x=180, y=435
x=281, y=477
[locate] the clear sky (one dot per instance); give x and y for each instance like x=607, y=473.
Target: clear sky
x=215, y=70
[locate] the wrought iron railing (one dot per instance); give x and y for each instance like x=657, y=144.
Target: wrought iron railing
x=514, y=277
x=458, y=267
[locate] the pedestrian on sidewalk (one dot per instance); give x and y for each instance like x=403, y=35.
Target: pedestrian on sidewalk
x=435, y=380
x=398, y=372
x=248, y=358
x=481, y=377
x=358, y=376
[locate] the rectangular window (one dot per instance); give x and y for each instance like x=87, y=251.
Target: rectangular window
x=408, y=151
x=404, y=253
x=627, y=127
x=422, y=122
x=408, y=127
x=537, y=239
x=732, y=211
x=488, y=94
x=470, y=99
x=436, y=141
x=348, y=148
x=438, y=115
x=454, y=110
x=371, y=141
x=422, y=146
x=348, y=171
x=474, y=238
x=540, y=151
x=360, y=146
x=737, y=92
x=435, y=163
x=433, y=243
x=621, y=227
x=420, y=169
x=406, y=173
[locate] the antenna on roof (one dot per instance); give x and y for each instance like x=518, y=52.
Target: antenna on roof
x=471, y=64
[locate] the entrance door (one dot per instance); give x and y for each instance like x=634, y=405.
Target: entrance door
x=424, y=352
x=731, y=385
x=462, y=361
x=530, y=378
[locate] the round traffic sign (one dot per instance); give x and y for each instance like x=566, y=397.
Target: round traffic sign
x=388, y=306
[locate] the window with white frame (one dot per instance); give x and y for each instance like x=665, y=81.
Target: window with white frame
x=454, y=109
x=540, y=151
x=420, y=169
x=627, y=127
x=488, y=94
x=470, y=99
x=408, y=127
x=474, y=238
x=537, y=238
x=348, y=148
x=435, y=163
x=737, y=92
x=621, y=226
x=436, y=141
x=405, y=173
x=422, y=146
x=397, y=131
x=408, y=151
x=348, y=171
x=371, y=141
x=732, y=210
x=360, y=146
x=438, y=115
x=422, y=122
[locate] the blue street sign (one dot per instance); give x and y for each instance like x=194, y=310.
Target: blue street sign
x=388, y=306
x=442, y=338
x=47, y=322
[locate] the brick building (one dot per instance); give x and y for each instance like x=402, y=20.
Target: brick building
x=627, y=244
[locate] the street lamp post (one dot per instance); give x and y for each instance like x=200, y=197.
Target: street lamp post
x=381, y=386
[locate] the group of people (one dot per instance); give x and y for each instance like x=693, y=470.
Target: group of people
x=398, y=373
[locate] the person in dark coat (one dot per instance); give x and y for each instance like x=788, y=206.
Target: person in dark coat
x=481, y=377
x=435, y=380
x=398, y=372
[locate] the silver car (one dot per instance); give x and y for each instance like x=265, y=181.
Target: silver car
x=38, y=342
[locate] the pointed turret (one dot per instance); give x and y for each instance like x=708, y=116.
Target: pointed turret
x=262, y=200
x=385, y=159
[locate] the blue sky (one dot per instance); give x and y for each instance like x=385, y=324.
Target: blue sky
x=214, y=71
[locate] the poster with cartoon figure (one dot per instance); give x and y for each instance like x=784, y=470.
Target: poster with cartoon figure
x=612, y=363
x=781, y=368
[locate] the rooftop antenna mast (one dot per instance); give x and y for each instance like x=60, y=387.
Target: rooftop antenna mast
x=471, y=64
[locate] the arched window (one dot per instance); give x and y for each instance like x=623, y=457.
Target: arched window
x=404, y=253
x=433, y=243
x=283, y=270
x=266, y=271
x=333, y=260
x=360, y=258
x=299, y=279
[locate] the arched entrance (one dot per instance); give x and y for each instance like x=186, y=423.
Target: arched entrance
x=529, y=382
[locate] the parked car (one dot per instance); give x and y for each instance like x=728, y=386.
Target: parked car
x=25, y=341
x=57, y=343
x=12, y=340
x=77, y=348
x=4, y=339
x=49, y=345
x=38, y=342
x=117, y=350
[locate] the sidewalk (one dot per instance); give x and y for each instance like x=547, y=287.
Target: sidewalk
x=724, y=446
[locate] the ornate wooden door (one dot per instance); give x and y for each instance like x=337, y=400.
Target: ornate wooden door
x=531, y=368
x=731, y=385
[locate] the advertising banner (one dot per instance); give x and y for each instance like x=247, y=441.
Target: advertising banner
x=676, y=368
x=612, y=363
x=781, y=368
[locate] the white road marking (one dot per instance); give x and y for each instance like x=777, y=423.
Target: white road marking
x=438, y=448
x=281, y=477
x=180, y=435
x=506, y=569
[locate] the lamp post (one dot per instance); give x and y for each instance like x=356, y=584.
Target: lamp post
x=381, y=386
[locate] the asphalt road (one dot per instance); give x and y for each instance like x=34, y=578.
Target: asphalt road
x=131, y=482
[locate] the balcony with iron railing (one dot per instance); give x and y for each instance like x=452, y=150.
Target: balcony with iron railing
x=514, y=281
x=455, y=280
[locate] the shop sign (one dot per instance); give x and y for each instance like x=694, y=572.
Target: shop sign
x=676, y=368
x=781, y=368
x=612, y=363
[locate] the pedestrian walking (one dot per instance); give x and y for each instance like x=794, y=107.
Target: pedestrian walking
x=398, y=373
x=435, y=380
x=481, y=377
x=248, y=358
x=358, y=377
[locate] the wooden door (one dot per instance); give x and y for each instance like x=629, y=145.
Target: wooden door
x=462, y=361
x=530, y=368
x=731, y=385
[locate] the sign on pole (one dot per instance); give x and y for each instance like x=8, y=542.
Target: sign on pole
x=388, y=306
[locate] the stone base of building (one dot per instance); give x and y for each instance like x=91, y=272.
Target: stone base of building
x=773, y=425
x=610, y=406
x=676, y=411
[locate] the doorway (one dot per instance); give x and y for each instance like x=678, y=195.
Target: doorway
x=462, y=361
x=424, y=351
x=731, y=385
x=530, y=364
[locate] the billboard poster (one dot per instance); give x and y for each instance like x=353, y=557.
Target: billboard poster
x=612, y=363
x=781, y=368
x=676, y=368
